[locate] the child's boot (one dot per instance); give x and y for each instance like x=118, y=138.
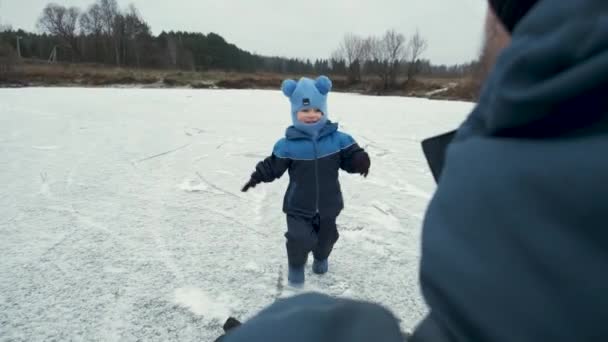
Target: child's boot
x=296, y=276
x=320, y=266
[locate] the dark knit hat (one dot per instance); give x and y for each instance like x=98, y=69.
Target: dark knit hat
x=510, y=12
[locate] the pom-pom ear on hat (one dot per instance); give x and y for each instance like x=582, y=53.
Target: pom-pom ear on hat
x=323, y=84
x=288, y=87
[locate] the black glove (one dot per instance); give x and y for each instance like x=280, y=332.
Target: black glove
x=251, y=184
x=230, y=324
x=361, y=163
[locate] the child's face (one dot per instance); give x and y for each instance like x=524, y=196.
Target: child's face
x=309, y=115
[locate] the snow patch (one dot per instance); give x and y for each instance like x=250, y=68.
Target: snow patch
x=46, y=148
x=253, y=267
x=200, y=303
x=438, y=91
x=195, y=185
x=115, y=270
x=416, y=191
x=45, y=190
x=226, y=173
x=199, y=158
x=382, y=216
x=190, y=185
x=349, y=293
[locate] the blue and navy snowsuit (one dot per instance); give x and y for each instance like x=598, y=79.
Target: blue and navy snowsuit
x=313, y=199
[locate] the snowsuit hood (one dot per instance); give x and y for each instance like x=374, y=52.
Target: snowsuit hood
x=515, y=241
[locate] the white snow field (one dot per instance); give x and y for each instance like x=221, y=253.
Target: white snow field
x=121, y=216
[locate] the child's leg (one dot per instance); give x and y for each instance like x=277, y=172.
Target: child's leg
x=327, y=233
x=301, y=239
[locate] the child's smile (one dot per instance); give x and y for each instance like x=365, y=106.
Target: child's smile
x=310, y=115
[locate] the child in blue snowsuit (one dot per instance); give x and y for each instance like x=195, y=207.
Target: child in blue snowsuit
x=313, y=151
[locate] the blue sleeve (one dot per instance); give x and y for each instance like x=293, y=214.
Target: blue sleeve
x=280, y=149
x=345, y=140
x=320, y=318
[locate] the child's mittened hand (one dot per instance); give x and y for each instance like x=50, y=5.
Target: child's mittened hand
x=251, y=184
x=362, y=163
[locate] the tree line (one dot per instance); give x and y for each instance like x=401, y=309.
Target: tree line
x=105, y=34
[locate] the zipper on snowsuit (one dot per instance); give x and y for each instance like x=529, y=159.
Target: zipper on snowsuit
x=314, y=144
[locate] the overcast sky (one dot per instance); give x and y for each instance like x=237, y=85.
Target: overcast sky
x=305, y=29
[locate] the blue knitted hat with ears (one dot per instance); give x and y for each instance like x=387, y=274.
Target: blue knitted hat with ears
x=308, y=93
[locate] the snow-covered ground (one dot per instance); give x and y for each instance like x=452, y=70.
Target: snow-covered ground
x=121, y=216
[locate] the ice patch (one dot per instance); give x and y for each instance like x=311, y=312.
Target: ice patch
x=201, y=233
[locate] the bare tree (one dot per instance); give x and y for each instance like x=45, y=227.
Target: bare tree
x=354, y=50
x=351, y=48
x=378, y=59
x=91, y=25
x=109, y=16
x=109, y=12
x=387, y=54
x=61, y=22
x=135, y=31
x=365, y=49
x=91, y=22
x=397, y=51
x=338, y=55
x=417, y=46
